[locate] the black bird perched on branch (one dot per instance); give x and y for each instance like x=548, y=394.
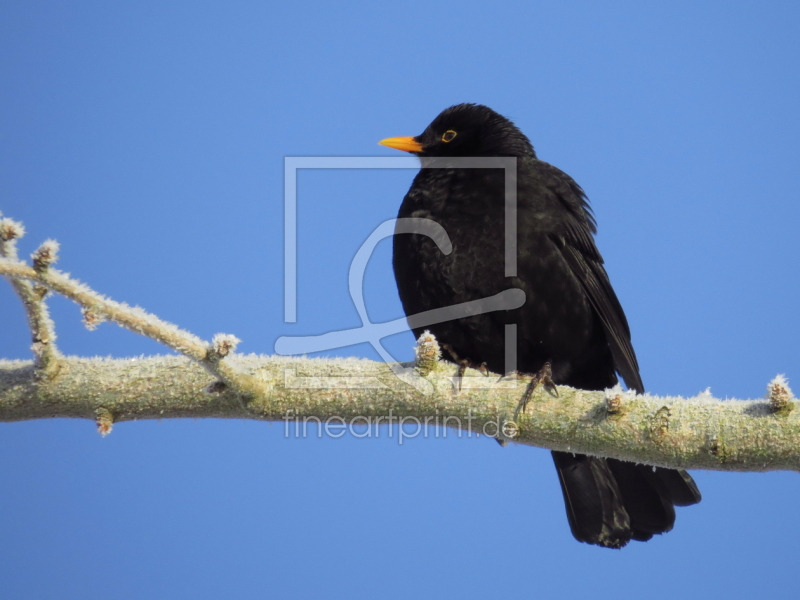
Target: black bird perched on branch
x=571, y=329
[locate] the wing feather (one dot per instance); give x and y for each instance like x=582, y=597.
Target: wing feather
x=575, y=237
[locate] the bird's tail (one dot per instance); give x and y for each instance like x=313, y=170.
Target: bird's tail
x=610, y=502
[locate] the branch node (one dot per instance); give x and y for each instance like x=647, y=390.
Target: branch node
x=717, y=449
x=104, y=420
x=91, y=318
x=614, y=404
x=39, y=348
x=217, y=387
x=659, y=424
x=780, y=395
x=45, y=255
x=615, y=400
x=223, y=344
x=39, y=292
x=10, y=230
x=427, y=353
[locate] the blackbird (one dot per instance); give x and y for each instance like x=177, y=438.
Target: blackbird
x=571, y=328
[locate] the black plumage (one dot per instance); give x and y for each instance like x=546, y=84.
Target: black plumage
x=571, y=318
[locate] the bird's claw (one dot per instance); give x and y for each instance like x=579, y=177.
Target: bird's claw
x=543, y=377
x=462, y=369
x=511, y=376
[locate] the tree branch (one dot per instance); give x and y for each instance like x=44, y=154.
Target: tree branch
x=97, y=308
x=699, y=433
x=211, y=380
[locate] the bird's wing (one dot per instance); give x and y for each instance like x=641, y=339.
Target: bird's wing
x=574, y=236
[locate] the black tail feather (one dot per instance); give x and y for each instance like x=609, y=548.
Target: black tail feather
x=593, y=500
x=610, y=502
x=682, y=488
x=646, y=499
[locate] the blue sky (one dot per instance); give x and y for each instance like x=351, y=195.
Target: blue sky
x=149, y=138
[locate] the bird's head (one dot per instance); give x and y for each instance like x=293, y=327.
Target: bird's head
x=466, y=130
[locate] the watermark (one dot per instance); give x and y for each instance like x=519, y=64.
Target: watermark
x=406, y=427
x=373, y=333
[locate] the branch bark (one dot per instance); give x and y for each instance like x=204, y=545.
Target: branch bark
x=694, y=433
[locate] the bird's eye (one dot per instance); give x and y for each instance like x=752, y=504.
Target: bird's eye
x=449, y=135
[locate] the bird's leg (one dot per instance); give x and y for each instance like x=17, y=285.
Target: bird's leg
x=462, y=368
x=482, y=368
x=544, y=377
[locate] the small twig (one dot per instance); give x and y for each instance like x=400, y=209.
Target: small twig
x=43, y=333
x=135, y=319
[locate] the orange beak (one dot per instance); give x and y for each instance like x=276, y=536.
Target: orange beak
x=406, y=144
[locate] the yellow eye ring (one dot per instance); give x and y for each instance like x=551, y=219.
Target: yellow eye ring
x=449, y=135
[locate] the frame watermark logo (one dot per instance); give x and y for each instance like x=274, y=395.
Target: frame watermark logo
x=363, y=426
x=371, y=332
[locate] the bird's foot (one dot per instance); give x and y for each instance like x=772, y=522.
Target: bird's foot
x=543, y=377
